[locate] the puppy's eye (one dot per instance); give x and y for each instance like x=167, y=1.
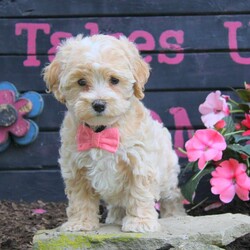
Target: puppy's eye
x=113, y=80
x=82, y=82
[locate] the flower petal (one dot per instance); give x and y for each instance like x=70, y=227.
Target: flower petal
x=30, y=136
x=3, y=135
x=246, y=133
x=211, y=119
x=36, y=101
x=223, y=172
x=39, y=211
x=201, y=162
x=23, y=106
x=243, y=181
x=246, y=121
x=20, y=128
x=240, y=168
x=194, y=155
x=213, y=109
x=242, y=193
x=227, y=195
x=205, y=145
x=7, y=97
x=211, y=138
x=195, y=143
x=212, y=154
x=219, y=185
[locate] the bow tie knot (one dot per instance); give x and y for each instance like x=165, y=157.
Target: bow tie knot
x=108, y=139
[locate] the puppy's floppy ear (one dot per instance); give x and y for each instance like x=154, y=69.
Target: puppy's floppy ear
x=51, y=77
x=139, y=67
x=141, y=75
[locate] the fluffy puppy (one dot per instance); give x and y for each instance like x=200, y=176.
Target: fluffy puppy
x=101, y=80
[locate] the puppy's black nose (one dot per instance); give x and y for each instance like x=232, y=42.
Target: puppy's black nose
x=99, y=105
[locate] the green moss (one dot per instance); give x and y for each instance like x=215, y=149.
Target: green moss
x=78, y=241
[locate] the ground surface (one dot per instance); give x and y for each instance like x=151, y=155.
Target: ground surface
x=20, y=221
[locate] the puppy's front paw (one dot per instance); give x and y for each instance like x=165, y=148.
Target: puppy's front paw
x=75, y=226
x=135, y=224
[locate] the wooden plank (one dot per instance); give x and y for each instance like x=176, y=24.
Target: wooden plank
x=51, y=117
x=152, y=33
x=46, y=185
x=43, y=152
x=195, y=71
x=112, y=7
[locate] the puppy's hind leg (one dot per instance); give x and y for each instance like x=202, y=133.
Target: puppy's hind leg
x=115, y=215
x=171, y=204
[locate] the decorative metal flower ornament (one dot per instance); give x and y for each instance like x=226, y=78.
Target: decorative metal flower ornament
x=16, y=111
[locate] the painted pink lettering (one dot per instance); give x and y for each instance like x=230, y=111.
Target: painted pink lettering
x=55, y=39
x=182, y=124
x=149, y=42
x=32, y=29
x=232, y=42
x=93, y=28
x=179, y=37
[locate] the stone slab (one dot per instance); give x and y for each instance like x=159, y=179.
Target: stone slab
x=185, y=232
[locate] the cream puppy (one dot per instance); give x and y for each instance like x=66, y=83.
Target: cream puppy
x=111, y=149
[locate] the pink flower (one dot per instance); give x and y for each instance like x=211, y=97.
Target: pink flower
x=205, y=145
x=39, y=211
x=237, y=126
x=213, y=206
x=246, y=121
x=230, y=178
x=185, y=202
x=247, y=86
x=18, y=126
x=246, y=133
x=220, y=124
x=213, y=109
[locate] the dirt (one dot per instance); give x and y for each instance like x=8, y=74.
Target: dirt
x=20, y=220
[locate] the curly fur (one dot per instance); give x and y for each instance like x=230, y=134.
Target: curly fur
x=145, y=167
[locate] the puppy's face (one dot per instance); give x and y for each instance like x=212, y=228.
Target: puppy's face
x=97, y=77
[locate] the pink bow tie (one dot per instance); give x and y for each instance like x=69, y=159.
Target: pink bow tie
x=108, y=139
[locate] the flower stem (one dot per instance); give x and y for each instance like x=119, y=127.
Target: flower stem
x=234, y=102
x=234, y=133
x=182, y=150
x=237, y=111
x=223, y=131
x=200, y=203
x=248, y=166
x=199, y=172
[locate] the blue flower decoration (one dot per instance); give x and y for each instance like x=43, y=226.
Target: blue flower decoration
x=16, y=111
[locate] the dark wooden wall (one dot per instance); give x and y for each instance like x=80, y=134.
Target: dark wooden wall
x=194, y=47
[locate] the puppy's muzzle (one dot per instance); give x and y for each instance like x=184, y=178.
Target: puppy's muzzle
x=99, y=105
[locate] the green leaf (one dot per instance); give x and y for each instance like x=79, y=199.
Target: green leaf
x=229, y=127
x=245, y=107
x=240, y=149
x=190, y=186
x=241, y=138
x=229, y=124
x=244, y=94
